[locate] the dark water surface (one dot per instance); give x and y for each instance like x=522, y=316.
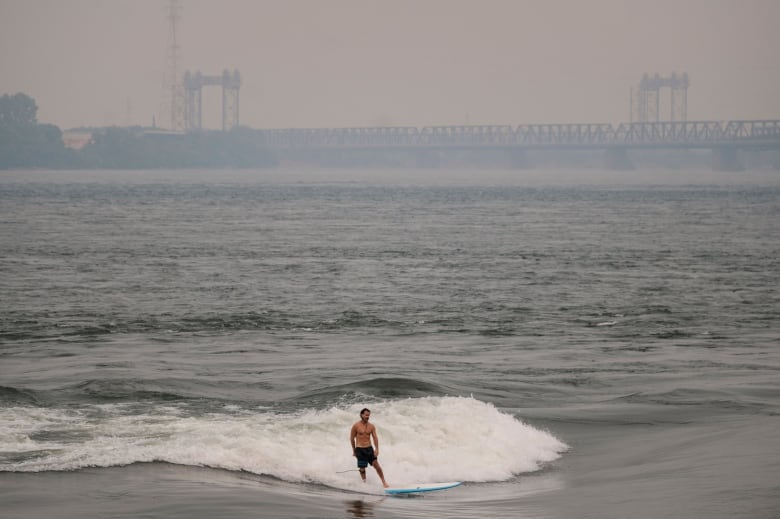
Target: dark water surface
x=569, y=344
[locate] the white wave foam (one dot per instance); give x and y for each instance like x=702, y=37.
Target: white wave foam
x=607, y=323
x=421, y=439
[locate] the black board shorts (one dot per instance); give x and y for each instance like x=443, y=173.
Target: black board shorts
x=365, y=456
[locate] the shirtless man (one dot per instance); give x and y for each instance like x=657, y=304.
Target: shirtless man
x=360, y=442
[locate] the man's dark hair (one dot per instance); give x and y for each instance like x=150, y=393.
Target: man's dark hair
x=364, y=410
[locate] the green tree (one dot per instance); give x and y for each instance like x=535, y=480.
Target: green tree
x=17, y=110
x=26, y=144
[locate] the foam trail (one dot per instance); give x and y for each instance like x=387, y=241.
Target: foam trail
x=421, y=439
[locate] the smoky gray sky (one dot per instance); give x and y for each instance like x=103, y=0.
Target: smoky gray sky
x=339, y=63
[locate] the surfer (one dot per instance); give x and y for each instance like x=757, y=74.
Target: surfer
x=360, y=442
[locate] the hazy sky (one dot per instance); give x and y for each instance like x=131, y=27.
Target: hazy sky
x=337, y=63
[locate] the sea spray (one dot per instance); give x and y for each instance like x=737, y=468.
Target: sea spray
x=421, y=439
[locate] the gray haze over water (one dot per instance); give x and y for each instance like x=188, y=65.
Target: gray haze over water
x=340, y=63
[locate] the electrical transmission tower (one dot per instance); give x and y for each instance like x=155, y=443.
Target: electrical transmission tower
x=172, y=88
x=648, y=107
x=183, y=95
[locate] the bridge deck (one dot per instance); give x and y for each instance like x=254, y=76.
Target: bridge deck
x=694, y=134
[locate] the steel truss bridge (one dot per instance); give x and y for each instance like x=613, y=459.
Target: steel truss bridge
x=759, y=134
x=427, y=145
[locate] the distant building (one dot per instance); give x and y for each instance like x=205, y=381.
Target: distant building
x=76, y=139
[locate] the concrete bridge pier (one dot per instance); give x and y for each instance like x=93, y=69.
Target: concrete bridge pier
x=617, y=159
x=727, y=158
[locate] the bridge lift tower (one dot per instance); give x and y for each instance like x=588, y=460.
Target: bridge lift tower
x=193, y=87
x=649, y=97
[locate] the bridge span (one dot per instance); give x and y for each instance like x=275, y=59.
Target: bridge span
x=724, y=138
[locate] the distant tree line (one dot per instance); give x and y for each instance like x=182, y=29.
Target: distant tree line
x=25, y=143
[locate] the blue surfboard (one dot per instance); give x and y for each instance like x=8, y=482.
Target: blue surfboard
x=426, y=487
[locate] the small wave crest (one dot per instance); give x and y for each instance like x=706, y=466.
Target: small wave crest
x=375, y=389
x=14, y=396
x=741, y=399
x=129, y=390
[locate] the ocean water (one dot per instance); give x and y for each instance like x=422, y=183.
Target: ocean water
x=567, y=343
